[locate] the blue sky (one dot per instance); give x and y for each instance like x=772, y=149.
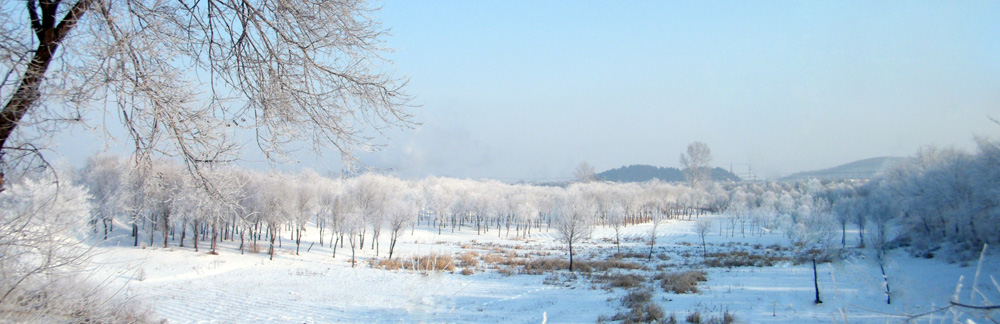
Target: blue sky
x=529, y=89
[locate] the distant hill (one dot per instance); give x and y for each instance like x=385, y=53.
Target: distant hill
x=641, y=173
x=863, y=169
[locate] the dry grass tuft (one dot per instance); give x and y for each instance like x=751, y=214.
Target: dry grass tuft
x=681, y=282
x=743, y=259
x=640, y=308
x=468, y=259
x=430, y=262
x=620, y=280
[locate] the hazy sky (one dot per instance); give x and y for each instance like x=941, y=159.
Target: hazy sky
x=527, y=90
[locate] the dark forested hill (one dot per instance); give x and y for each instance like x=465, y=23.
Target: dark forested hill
x=641, y=172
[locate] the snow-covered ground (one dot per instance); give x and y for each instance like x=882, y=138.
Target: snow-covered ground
x=313, y=287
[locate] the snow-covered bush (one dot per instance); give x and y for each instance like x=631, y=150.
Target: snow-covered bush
x=948, y=198
x=42, y=223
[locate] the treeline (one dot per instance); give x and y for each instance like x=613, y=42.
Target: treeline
x=162, y=204
x=945, y=198
x=941, y=199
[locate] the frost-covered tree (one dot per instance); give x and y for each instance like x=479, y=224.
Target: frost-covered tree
x=340, y=208
x=656, y=218
x=401, y=211
x=183, y=76
x=440, y=199
x=40, y=226
x=616, y=220
x=948, y=197
x=843, y=211
x=573, y=221
x=245, y=213
x=133, y=200
x=326, y=192
x=584, y=172
x=305, y=202
x=103, y=175
x=170, y=182
x=351, y=224
x=696, y=163
x=702, y=226
x=366, y=196
x=275, y=207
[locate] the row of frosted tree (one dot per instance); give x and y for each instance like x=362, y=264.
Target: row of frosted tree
x=160, y=203
x=941, y=197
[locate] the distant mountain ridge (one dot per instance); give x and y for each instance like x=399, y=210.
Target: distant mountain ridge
x=863, y=169
x=643, y=172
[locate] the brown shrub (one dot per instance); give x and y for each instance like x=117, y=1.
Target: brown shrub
x=507, y=272
x=615, y=264
x=641, y=308
x=468, y=271
x=694, y=318
x=540, y=266
x=629, y=254
x=431, y=262
x=468, y=259
x=388, y=264
x=620, y=280
x=681, y=282
x=493, y=258
x=636, y=298
x=742, y=259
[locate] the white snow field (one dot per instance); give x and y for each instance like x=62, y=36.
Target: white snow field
x=183, y=286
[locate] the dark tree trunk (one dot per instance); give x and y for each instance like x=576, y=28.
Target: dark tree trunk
x=333, y=241
x=298, y=240
x=570, y=256
x=652, y=244
x=321, y=230
x=704, y=249
x=353, y=260
x=843, y=235
x=183, y=232
x=271, y=237
x=195, y=231
x=816, y=283
x=166, y=230
x=215, y=236
x=392, y=245
x=861, y=236
x=50, y=35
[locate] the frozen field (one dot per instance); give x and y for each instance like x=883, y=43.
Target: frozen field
x=187, y=287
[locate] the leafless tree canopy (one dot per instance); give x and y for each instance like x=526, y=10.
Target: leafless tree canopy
x=198, y=79
x=584, y=172
x=696, y=163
